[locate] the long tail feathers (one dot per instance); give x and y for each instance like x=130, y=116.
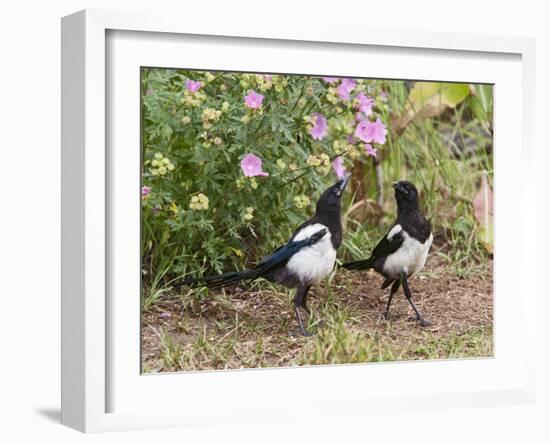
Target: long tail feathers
x=231, y=278
x=224, y=280
x=278, y=257
x=364, y=264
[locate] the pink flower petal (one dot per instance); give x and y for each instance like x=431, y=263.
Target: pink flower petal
x=253, y=100
x=378, y=131
x=361, y=131
x=338, y=167
x=370, y=151
x=193, y=86
x=320, y=127
x=364, y=103
x=251, y=165
x=369, y=132
x=345, y=88
x=145, y=190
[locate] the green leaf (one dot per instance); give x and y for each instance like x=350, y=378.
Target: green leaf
x=282, y=123
x=462, y=225
x=428, y=100
x=484, y=92
x=476, y=107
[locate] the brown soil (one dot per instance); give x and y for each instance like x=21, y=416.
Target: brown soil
x=263, y=317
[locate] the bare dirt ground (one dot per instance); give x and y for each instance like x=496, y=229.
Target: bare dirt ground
x=255, y=327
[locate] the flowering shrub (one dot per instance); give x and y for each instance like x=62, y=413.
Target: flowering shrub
x=234, y=162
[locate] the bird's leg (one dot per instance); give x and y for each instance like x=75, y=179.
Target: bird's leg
x=394, y=288
x=407, y=291
x=300, y=323
x=300, y=301
x=304, y=302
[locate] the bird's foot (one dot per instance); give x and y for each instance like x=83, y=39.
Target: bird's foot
x=386, y=316
x=423, y=322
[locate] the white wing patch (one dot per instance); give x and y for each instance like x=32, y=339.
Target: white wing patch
x=310, y=230
x=394, y=231
x=313, y=263
x=410, y=257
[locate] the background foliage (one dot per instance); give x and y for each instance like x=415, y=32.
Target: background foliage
x=201, y=214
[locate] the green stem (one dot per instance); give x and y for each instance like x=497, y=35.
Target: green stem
x=298, y=100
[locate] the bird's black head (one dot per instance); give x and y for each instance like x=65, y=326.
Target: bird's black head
x=331, y=199
x=406, y=195
x=328, y=210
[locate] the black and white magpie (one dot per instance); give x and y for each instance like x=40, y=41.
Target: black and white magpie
x=404, y=249
x=305, y=259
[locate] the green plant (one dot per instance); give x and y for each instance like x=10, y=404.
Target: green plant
x=201, y=213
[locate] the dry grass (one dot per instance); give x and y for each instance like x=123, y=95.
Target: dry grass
x=256, y=328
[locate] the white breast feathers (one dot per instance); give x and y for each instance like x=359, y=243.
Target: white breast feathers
x=409, y=258
x=313, y=263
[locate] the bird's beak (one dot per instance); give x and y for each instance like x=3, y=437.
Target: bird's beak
x=341, y=184
x=398, y=187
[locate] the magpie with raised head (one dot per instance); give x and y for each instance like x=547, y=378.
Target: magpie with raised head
x=305, y=259
x=404, y=249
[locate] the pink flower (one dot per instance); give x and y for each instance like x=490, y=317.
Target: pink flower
x=349, y=83
x=145, y=190
x=165, y=315
x=383, y=96
x=268, y=78
x=320, y=127
x=253, y=100
x=361, y=130
x=345, y=88
x=378, y=131
x=371, y=151
x=364, y=103
x=330, y=80
x=368, y=132
x=251, y=165
x=338, y=167
x=193, y=86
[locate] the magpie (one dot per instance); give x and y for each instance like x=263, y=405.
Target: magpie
x=305, y=259
x=404, y=249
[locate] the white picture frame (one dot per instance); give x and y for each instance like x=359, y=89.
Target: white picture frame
x=88, y=320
